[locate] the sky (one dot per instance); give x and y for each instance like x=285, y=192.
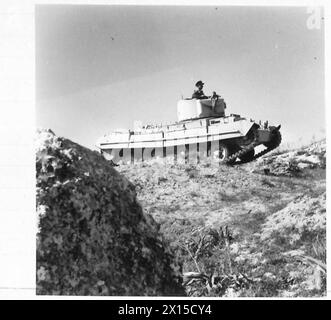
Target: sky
x=99, y=68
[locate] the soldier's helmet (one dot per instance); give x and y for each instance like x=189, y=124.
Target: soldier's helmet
x=199, y=83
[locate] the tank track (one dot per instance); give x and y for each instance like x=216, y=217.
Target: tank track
x=252, y=145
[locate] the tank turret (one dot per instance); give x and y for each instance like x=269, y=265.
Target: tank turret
x=190, y=109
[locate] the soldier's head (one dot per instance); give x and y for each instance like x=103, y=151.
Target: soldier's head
x=199, y=84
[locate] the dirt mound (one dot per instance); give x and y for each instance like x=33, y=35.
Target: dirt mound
x=292, y=163
x=304, y=214
x=93, y=237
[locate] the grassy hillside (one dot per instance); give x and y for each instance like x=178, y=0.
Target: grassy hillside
x=255, y=229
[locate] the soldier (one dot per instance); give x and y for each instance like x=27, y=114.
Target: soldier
x=214, y=99
x=198, y=94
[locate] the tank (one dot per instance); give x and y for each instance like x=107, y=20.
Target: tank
x=203, y=130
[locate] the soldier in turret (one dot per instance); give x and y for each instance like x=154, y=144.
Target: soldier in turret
x=214, y=99
x=198, y=94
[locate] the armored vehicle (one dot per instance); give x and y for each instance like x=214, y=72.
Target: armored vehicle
x=203, y=130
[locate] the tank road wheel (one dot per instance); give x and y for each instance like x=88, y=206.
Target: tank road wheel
x=247, y=157
x=221, y=155
x=233, y=149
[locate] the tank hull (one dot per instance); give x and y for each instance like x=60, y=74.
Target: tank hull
x=187, y=141
x=203, y=131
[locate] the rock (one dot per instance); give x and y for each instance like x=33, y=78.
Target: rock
x=93, y=237
x=291, y=163
x=313, y=159
x=304, y=165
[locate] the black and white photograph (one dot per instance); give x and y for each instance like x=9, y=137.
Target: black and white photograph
x=180, y=151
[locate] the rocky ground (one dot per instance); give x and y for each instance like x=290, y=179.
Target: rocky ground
x=255, y=229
